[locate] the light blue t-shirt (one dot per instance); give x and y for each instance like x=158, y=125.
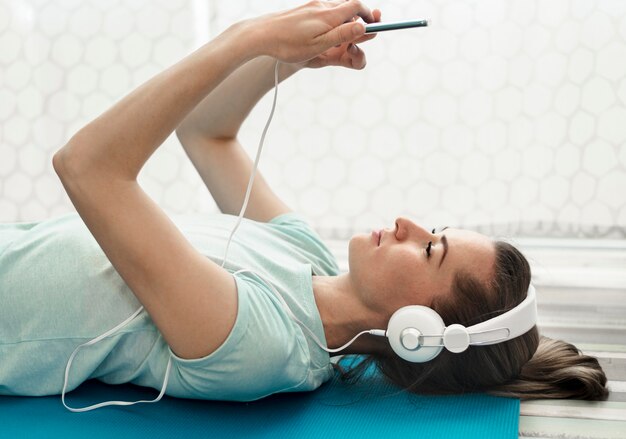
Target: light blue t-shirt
x=58, y=290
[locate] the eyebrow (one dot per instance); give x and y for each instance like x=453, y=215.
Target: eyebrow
x=444, y=241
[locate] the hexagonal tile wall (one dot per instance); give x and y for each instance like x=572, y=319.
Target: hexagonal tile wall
x=503, y=116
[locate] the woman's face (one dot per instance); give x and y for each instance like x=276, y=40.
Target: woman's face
x=403, y=270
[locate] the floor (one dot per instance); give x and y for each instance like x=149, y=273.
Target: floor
x=581, y=298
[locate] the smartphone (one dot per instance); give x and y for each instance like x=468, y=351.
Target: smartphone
x=381, y=27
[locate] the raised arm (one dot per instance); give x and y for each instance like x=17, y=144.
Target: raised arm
x=209, y=133
x=191, y=300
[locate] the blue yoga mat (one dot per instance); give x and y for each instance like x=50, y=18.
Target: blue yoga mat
x=370, y=409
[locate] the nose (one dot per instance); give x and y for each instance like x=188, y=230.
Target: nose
x=407, y=229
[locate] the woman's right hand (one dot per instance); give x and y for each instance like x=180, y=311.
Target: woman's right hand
x=303, y=33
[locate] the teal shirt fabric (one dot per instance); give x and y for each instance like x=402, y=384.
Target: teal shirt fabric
x=58, y=290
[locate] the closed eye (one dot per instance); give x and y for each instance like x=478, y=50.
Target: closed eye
x=430, y=244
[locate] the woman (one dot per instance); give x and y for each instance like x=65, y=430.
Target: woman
x=65, y=281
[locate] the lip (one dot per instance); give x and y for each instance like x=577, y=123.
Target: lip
x=377, y=235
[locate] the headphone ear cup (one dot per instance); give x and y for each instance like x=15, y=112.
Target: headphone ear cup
x=404, y=327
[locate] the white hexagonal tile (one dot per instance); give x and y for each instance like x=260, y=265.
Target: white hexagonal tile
x=476, y=108
x=169, y=50
x=551, y=68
x=8, y=211
x=597, y=95
x=330, y=172
x=421, y=139
x=67, y=50
x=611, y=189
x=18, y=187
x=391, y=83
x=95, y=104
x=521, y=134
x=314, y=142
x=422, y=78
x=507, y=165
x=63, y=106
x=474, y=45
x=153, y=22
x=622, y=91
x=9, y=159
x=387, y=198
x=347, y=85
x=36, y=48
x=524, y=191
x=567, y=160
x=349, y=201
x=508, y=103
x=553, y=13
x=332, y=111
x=536, y=40
x=348, y=143
x=550, y=129
x=85, y=21
x=7, y=103
x=567, y=99
x=459, y=200
x=622, y=27
x=385, y=141
x=491, y=72
x=298, y=172
x=457, y=17
x=82, y=80
x=135, y=50
x=493, y=195
x=567, y=36
x=458, y=140
x=367, y=110
x=115, y=80
x=30, y=102
x=581, y=127
x=441, y=45
x=118, y=23
x=580, y=65
x=423, y=197
x=611, y=61
x=17, y=75
x=48, y=132
x=440, y=169
x=439, y=109
x=48, y=77
x=16, y=130
x=620, y=217
x=599, y=157
x=554, y=191
x=491, y=137
x=537, y=161
x=100, y=52
x=612, y=126
x=33, y=160
x=597, y=30
x=506, y=39
x=402, y=52
x=596, y=213
x=457, y=77
x=5, y=17
x=490, y=12
x=403, y=171
x=475, y=170
x=47, y=190
x=314, y=201
x=52, y=20
x=622, y=155
x=366, y=172
x=537, y=99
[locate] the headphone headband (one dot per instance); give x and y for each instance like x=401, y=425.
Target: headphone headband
x=418, y=334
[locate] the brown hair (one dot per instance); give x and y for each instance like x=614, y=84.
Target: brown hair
x=526, y=367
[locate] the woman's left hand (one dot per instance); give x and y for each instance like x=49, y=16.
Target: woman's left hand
x=345, y=55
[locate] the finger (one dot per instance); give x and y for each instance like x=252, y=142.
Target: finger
x=352, y=8
x=357, y=57
x=344, y=33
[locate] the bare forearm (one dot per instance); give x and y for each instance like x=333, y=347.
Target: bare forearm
x=221, y=113
x=120, y=141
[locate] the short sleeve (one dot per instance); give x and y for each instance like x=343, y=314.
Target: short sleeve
x=263, y=354
x=298, y=231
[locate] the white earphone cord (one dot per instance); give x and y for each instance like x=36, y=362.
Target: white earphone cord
x=278, y=295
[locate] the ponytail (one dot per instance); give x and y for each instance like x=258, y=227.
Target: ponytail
x=557, y=370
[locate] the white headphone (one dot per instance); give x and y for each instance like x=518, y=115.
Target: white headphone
x=418, y=334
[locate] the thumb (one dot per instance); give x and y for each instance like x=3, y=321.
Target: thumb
x=345, y=33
